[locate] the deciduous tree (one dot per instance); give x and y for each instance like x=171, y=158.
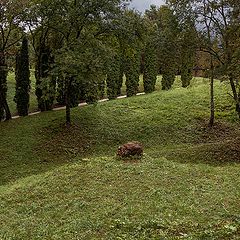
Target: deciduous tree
x=10, y=34
x=223, y=19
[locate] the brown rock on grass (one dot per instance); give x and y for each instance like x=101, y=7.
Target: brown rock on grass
x=130, y=149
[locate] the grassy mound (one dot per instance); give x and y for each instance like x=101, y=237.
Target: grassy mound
x=66, y=183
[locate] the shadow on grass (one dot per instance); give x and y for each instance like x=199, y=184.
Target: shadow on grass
x=216, y=146
x=196, y=144
x=215, y=154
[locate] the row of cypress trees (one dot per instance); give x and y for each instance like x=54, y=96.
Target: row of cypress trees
x=46, y=86
x=140, y=49
x=129, y=63
x=90, y=90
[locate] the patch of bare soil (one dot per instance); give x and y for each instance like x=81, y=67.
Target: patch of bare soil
x=217, y=145
x=64, y=143
x=225, y=142
x=218, y=153
x=221, y=131
x=225, y=152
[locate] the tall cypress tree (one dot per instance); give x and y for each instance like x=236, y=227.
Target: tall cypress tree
x=169, y=64
x=168, y=45
x=121, y=71
x=168, y=78
x=113, y=78
x=130, y=47
x=150, y=67
x=132, y=72
x=91, y=88
x=101, y=86
x=22, y=74
x=188, y=43
x=186, y=73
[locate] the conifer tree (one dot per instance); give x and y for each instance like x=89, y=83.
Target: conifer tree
x=168, y=45
x=10, y=34
x=186, y=73
x=91, y=88
x=169, y=61
x=168, y=78
x=22, y=79
x=101, y=86
x=188, y=38
x=120, y=80
x=132, y=72
x=121, y=72
x=130, y=47
x=113, y=78
x=150, y=67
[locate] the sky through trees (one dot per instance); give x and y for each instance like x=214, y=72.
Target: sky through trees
x=142, y=5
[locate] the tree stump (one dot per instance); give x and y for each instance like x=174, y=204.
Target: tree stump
x=130, y=149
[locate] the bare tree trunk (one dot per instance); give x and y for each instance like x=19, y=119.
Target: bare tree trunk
x=5, y=107
x=212, y=103
x=7, y=110
x=68, y=113
x=238, y=104
x=235, y=94
x=238, y=108
x=3, y=88
x=67, y=101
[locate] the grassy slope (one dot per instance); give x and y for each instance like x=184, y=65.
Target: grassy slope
x=59, y=183
x=33, y=100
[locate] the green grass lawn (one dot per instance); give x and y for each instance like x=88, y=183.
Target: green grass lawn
x=66, y=183
x=11, y=93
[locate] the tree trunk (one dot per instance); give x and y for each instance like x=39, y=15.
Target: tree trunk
x=238, y=109
x=235, y=94
x=7, y=110
x=212, y=104
x=238, y=104
x=3, y=87
x=68, y=113
x=67, y=102
x=4, y=106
